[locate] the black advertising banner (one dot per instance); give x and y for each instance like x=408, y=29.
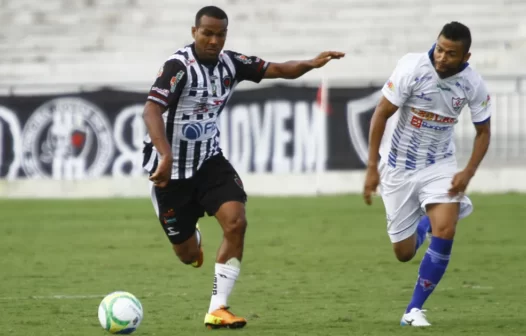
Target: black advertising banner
x=278, y=129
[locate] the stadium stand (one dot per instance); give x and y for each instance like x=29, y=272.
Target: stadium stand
x=115, y=41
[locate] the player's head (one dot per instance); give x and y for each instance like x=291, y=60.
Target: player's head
x=452, y=48
x=209, y=32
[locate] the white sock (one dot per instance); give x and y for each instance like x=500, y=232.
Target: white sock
x=224, y=279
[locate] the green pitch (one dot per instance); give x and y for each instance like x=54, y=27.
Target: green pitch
x=312, y=266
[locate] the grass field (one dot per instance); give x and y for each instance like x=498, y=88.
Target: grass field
x=313, y=266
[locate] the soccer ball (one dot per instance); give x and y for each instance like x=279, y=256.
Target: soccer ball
x=120, y=313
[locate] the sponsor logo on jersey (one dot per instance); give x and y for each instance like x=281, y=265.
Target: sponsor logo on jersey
x=175, y=80
x=423, y=96
x=243, y=59
x=432, y=116
x=485, y=103
x=194, y=131
x=162, y=92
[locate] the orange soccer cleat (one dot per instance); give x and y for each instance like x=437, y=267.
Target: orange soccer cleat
x=223, y=318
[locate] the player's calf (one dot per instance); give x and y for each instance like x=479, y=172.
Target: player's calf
x=188, y=251
x=231, y=216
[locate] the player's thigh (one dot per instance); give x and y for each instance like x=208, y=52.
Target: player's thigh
x=218, y=184
x=177, y=209
x=400, y=198
x=435, y=183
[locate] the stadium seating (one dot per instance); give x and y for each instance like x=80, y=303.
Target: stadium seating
x=125, y=41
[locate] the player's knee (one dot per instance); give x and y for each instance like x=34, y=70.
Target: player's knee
x=405, y=256
x=405, y=249
x=236, y=226
x=403, y=253
x=444, y=232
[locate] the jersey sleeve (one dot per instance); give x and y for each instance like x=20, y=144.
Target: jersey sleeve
x=251, y=68
x=397, y=89
x=169, y=84
x=480, y=104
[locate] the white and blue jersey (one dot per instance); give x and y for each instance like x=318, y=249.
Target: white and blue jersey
x=429, y=107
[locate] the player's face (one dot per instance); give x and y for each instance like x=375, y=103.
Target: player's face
x=449, y=56
x=209, y=37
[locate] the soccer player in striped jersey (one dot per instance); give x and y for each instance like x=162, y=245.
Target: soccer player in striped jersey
x=414, y=160
x=189, y=174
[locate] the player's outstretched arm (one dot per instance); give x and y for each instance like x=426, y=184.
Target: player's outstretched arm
x=295, y=69
x=384, y=110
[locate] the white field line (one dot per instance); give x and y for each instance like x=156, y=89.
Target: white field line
x=100, y=296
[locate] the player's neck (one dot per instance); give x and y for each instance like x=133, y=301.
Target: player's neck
x=447, y=75
x=200, y=59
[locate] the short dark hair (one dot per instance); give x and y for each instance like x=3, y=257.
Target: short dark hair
x=211, y=11
x=456, y=31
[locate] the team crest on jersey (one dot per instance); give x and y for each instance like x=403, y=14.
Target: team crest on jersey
x=243, y=59
x=227, y=81
x=458, y=103
x=160, y=72
x=176, y=79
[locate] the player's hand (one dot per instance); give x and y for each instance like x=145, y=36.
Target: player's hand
x=372, y=179
x=325, y=57
x=163, y=173
x=460, y=183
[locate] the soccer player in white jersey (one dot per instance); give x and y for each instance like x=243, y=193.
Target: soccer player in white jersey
x=414, y=160
x=188, y=172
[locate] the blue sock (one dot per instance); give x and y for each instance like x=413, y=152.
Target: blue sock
x=423, y=227
x=431, y=270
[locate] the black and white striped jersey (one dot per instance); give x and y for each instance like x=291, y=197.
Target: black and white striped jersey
x=194, y=95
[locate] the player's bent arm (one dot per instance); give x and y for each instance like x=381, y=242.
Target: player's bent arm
x=384, y=110
x=480, y=146
x=288, y=70
x=152, y=116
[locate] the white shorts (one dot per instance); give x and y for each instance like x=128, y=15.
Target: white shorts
x=406, y=193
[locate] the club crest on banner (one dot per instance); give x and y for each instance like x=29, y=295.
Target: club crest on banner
x=67, y=138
